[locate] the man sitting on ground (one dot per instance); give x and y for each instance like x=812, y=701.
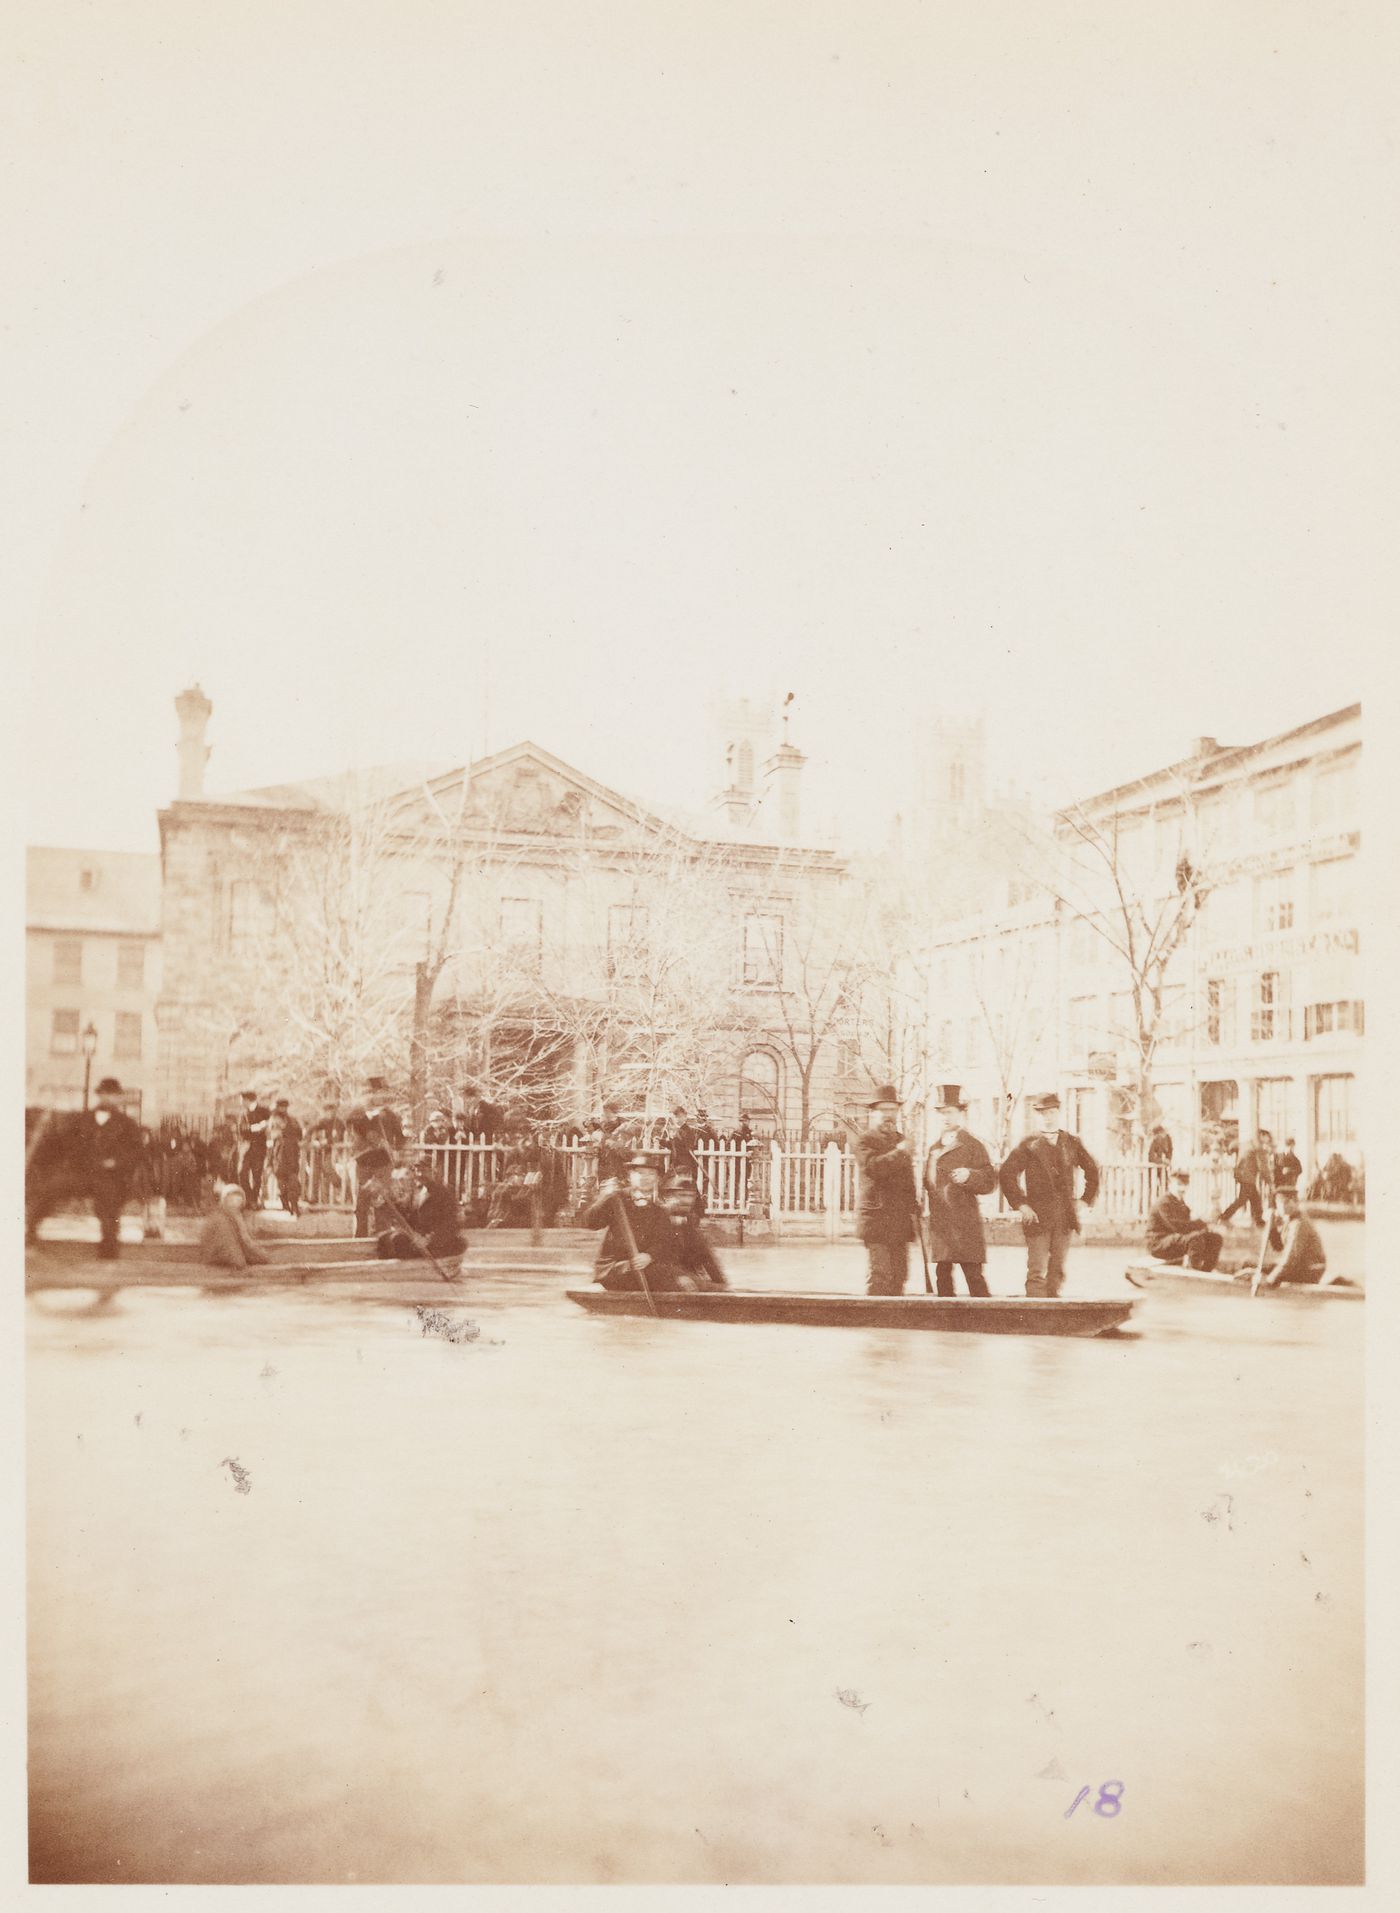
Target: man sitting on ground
x=224, y=1240
x=1174, y=1235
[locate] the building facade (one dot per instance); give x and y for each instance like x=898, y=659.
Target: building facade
x=93, y=975
x=512, y=922
x=1245, y=861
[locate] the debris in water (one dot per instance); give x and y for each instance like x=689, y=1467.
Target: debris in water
x=242, y=1480
x=848, y=1697
x=435, y=1322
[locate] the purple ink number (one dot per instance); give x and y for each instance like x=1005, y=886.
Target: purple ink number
x=1109, y=1803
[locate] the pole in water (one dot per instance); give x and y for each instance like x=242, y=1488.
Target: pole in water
x=631, y=1241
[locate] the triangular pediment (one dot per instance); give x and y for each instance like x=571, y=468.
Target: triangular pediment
x=527, y=792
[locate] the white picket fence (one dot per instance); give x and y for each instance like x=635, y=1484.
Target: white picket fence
x=814, y=1190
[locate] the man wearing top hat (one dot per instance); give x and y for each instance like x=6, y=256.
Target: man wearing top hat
x=1037, y=1180
x=889, y=1201
x=956, y=1172
x=375, y=1133
x=639, y=1237
x=106, y=1149
x=252, y=1146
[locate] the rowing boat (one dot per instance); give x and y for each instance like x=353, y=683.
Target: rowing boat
x=988, y=1315
x=1169, y=1278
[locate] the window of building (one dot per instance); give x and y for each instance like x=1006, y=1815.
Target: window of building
x=760, y=1089
x=1273, y=902
x=763, y=951
x=128, y=1036
x=1334, y=798
x=847, y=1058
x=1083, y=943
x=1273, y=810
x=1272, y=1098
x=1334, y=1116
x=1269, y=1020
x=68, y=960
x=1080, y=1031
x=627, y=935
x=1334, y=890
x=1220, y=1011
x=946, y=1039
x=251, y=918
x=131, y=966
x=63, y=1035
x=1326, y=1019
x=522, y=929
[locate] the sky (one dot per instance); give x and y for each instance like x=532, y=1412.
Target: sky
x=422, y=377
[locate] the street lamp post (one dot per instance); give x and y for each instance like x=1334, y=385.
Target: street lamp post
x=89, y=1051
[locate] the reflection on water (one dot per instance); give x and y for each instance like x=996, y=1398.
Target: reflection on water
x=593, y=1600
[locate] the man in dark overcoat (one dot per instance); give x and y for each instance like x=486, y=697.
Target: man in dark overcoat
x=433, y=1218
x=634, y=1219
x=252, y=1146
x=956, y=1172
x=1038, y=1181
x=1174, y=1235
x=889, y=1200
x=105, y=1153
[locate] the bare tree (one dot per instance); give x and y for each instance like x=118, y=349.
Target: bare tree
x=813, y=951
x=1015, y=1008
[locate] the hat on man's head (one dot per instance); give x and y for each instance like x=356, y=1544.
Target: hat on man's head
x=886, y=1093
x=645, y=1159
x=1044, y=1103
x=248, y=1095
x=948, y=1096
x=282, y=1103
x=109, y=1086
x=376, y=1083
x=1181, y=1175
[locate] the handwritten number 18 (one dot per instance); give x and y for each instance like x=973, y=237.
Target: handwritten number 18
x=1109, y=1803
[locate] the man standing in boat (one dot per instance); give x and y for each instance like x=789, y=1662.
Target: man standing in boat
x=956, y=1172
x=639, y=1237
x=889, y=1198
x=1174, y=1235
x=1037, y=1180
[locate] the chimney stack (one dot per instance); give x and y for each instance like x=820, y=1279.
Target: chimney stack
x=1205, y=747
x=783, y=776
x=193, y=709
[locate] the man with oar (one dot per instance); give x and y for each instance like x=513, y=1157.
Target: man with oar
x=638, y=1249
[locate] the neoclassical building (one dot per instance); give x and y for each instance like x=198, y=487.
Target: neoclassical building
x=512, y=921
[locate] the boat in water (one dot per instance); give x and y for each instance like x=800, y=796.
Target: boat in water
x=1170, y=1278
x=963, y=1314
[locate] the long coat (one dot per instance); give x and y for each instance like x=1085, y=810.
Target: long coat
x=889, y=1199
x=954, y=1216
x=1040, y=1175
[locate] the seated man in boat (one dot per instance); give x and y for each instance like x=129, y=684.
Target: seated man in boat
x=1303, y=1259
x=225, y=1241
x=690, y=1250
x=1174, y=1235
x=427, y=1221
x=639, y=1236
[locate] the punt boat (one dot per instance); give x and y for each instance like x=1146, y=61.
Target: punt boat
x=1170, y=1278
x=990, y=1315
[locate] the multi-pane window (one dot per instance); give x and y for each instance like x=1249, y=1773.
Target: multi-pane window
x=128, y=1036
x=1326, y=1019
x=1269, y=1017
x=1334, y=890
x=131, y=966
x=1273, y=810
x=522, y=929
x=1334, y=1116
x=627, y=936
x=763, y=951
x=251, y=918
x=1220, y=1011
x=68, y=960
x=1081, y=1026
x=63, y=1035
x=1334, y=798
x=1273, y=902
x=760, y=1092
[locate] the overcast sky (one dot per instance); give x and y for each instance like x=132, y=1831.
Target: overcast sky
x=423, y=377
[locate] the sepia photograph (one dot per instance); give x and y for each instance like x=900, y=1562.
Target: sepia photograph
x=695, y=755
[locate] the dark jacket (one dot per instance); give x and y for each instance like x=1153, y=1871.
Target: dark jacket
x=432, y=1211
x=652, y=1230
x=889, y=1198
x=1304, y=1258
x=1171, y=1226
x=1288, y=1169
x=1160, y=1147
x=108, y=1151
x=374, y=1138
x=252, y=1132
x=954, y=1216
x=692, y=1254
x=286, y=1156
x=1040, y=1175
x=1255, y=1168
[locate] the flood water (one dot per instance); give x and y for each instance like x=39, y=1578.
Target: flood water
x=317, y=1597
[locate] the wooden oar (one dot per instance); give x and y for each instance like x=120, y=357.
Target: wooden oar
x=632, y=1250
x=1263, y=1250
